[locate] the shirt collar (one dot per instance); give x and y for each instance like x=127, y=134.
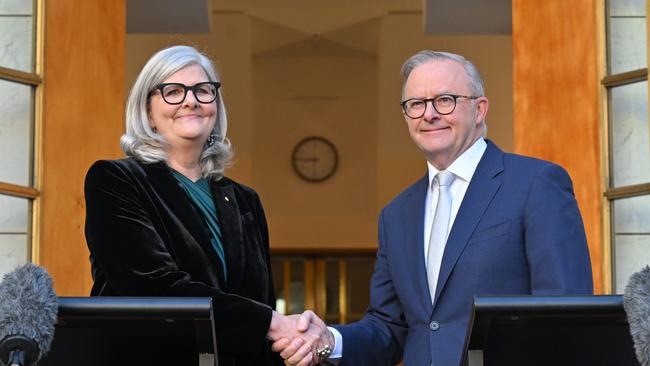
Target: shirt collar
x=465, y=165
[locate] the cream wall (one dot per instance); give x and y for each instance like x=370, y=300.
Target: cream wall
x=281, y=86
x=334, y=97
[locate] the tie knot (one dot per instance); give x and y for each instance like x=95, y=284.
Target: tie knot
x=445, y=178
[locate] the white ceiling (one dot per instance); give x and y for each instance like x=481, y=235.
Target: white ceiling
x=442, y=17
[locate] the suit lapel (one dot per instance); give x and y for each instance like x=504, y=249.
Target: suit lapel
x=413, y=221
x=482, y=188
x=228, y=212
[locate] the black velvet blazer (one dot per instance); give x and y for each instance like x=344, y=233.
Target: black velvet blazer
x=146, y=239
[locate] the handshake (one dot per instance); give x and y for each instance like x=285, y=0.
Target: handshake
x=301, y=339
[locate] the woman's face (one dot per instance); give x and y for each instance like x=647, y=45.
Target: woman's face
x=189, y=123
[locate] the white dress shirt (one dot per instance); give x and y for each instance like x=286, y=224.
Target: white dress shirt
x=463, y=167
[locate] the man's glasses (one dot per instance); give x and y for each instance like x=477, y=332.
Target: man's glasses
x=175, y=93
x=443, y=104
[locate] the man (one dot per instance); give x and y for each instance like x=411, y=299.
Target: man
x=480, y=222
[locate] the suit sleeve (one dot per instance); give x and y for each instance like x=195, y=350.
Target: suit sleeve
x=136, y=262
x=378, y=338
x=556, y=245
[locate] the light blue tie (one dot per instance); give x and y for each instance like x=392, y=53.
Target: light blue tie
x=439, y=229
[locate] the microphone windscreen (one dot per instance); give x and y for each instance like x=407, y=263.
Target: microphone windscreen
x=28, y=305
x=636, y=302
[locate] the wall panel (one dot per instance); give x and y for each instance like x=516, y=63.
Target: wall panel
x=82, y=122
x=556, y=94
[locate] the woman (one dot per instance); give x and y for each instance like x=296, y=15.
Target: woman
x=166, y=222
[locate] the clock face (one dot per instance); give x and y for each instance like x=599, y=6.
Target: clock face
x=314, y=159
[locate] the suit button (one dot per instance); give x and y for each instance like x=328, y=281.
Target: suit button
x=434, y=325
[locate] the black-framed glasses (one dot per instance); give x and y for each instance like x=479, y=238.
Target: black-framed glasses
x=175, y=93
x=443, y=104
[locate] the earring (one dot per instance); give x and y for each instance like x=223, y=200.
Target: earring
x=211, y=139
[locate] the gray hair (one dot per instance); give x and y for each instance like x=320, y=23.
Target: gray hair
x=425, y=56
x=147, y=146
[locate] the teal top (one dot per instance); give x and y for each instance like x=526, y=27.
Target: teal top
x=200, y=194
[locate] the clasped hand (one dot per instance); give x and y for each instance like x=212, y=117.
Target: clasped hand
x=297, y=337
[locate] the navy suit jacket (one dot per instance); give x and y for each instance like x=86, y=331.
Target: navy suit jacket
x=518, y=231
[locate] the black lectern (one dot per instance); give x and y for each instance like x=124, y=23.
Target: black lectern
x=102, y=331
x=550, y=330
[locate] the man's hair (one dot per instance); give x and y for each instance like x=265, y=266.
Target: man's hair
x=146, y=145
x=425, y=56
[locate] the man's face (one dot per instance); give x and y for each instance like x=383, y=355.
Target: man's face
x=443, y=138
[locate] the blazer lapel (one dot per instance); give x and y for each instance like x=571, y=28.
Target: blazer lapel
x=413, y=221
x=174, y=197
x=230, y=220
x=481, y=190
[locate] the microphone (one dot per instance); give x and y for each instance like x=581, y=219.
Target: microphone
x=28, y=311
x=636, y=302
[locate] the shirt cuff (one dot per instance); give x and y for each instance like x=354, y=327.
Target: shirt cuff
x=337, y=352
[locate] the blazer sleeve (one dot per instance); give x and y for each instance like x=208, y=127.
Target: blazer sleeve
x=264, y=230
x=378, y=338
x=124, y=243
x=556, y=245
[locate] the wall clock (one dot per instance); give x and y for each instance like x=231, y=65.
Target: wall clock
x=314, y=159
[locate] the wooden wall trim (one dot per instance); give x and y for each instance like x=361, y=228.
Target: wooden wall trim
x=18, y=191
x=39, y=35
x=606, y=262
x=628, y=191
x=19, y=76
x=322, y=251
x=625, y=78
